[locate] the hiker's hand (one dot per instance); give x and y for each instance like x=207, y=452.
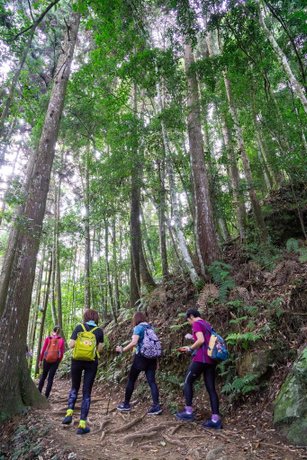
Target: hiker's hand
x=40, y=364
x=184, y=349
x=119, y=349
x=189, y=337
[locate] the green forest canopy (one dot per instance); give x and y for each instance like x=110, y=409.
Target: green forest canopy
x=179, y=120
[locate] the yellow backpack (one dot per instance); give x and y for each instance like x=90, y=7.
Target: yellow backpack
x=85, y=345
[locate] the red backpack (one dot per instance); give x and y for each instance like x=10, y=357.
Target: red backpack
x=52, y=354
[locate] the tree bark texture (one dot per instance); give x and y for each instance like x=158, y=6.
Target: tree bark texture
x=206, y=231
x=16, y=387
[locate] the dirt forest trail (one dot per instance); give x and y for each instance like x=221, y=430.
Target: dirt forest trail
x=137, y=436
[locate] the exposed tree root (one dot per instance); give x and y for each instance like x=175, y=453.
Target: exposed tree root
x=129, y=425
x=103, y=424
x=177, y=442
x=174, y=430
x=217, y=433
x=139, y=435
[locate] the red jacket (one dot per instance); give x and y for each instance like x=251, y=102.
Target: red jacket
x=46, y=343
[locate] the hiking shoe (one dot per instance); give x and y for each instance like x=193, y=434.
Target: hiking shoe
x=68, y=417
x=83, y=430
x=155, y=410
x=124, y=407
x=67, y=420
x=186, y=416
x=211, y=424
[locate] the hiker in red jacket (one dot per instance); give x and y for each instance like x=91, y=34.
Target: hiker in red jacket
x=50, y=358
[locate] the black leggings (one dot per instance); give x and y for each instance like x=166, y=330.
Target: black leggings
x=90, y=370
x=149, y=366
x=194, y=372
x=49, y=369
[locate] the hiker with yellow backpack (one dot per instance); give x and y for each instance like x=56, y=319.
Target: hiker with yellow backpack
x=86, y=344
x=50, y=357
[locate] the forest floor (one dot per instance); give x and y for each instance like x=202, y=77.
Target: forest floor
x=39, y=434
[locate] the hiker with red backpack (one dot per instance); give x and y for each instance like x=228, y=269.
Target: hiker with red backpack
x=50, y=357
x=208, y=347
x=148, y=350
x=86, y=344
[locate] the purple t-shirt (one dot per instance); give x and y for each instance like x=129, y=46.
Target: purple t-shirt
x=201, y=355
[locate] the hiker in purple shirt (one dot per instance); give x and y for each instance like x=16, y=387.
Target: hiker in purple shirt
x=201, y=364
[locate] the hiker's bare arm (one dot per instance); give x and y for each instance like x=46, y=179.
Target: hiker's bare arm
x=132, y=344
x=198, y=343
x=71, y=343
x=100, y=347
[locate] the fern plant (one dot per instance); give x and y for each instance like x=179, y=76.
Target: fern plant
x=293, y=245
x=243, y=340
x=241, y=385
x=220, y=273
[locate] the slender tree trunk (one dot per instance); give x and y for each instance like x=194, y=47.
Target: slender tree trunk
x=54, y=264
x=87, y=273
x=246, y=165
x=177, y=227
x=297, y=87
x=42, y=323
x=235, y=180
x=32, y=332
x=135, y=281
x=104, y=299
x=206, y=231
x=73, y=287
x=162, y=218
x=135, y=228
x=115, y=263
x=58, y=257
x=108, y=274
x=147, y=240
x=16, y=387
x=145, y=274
